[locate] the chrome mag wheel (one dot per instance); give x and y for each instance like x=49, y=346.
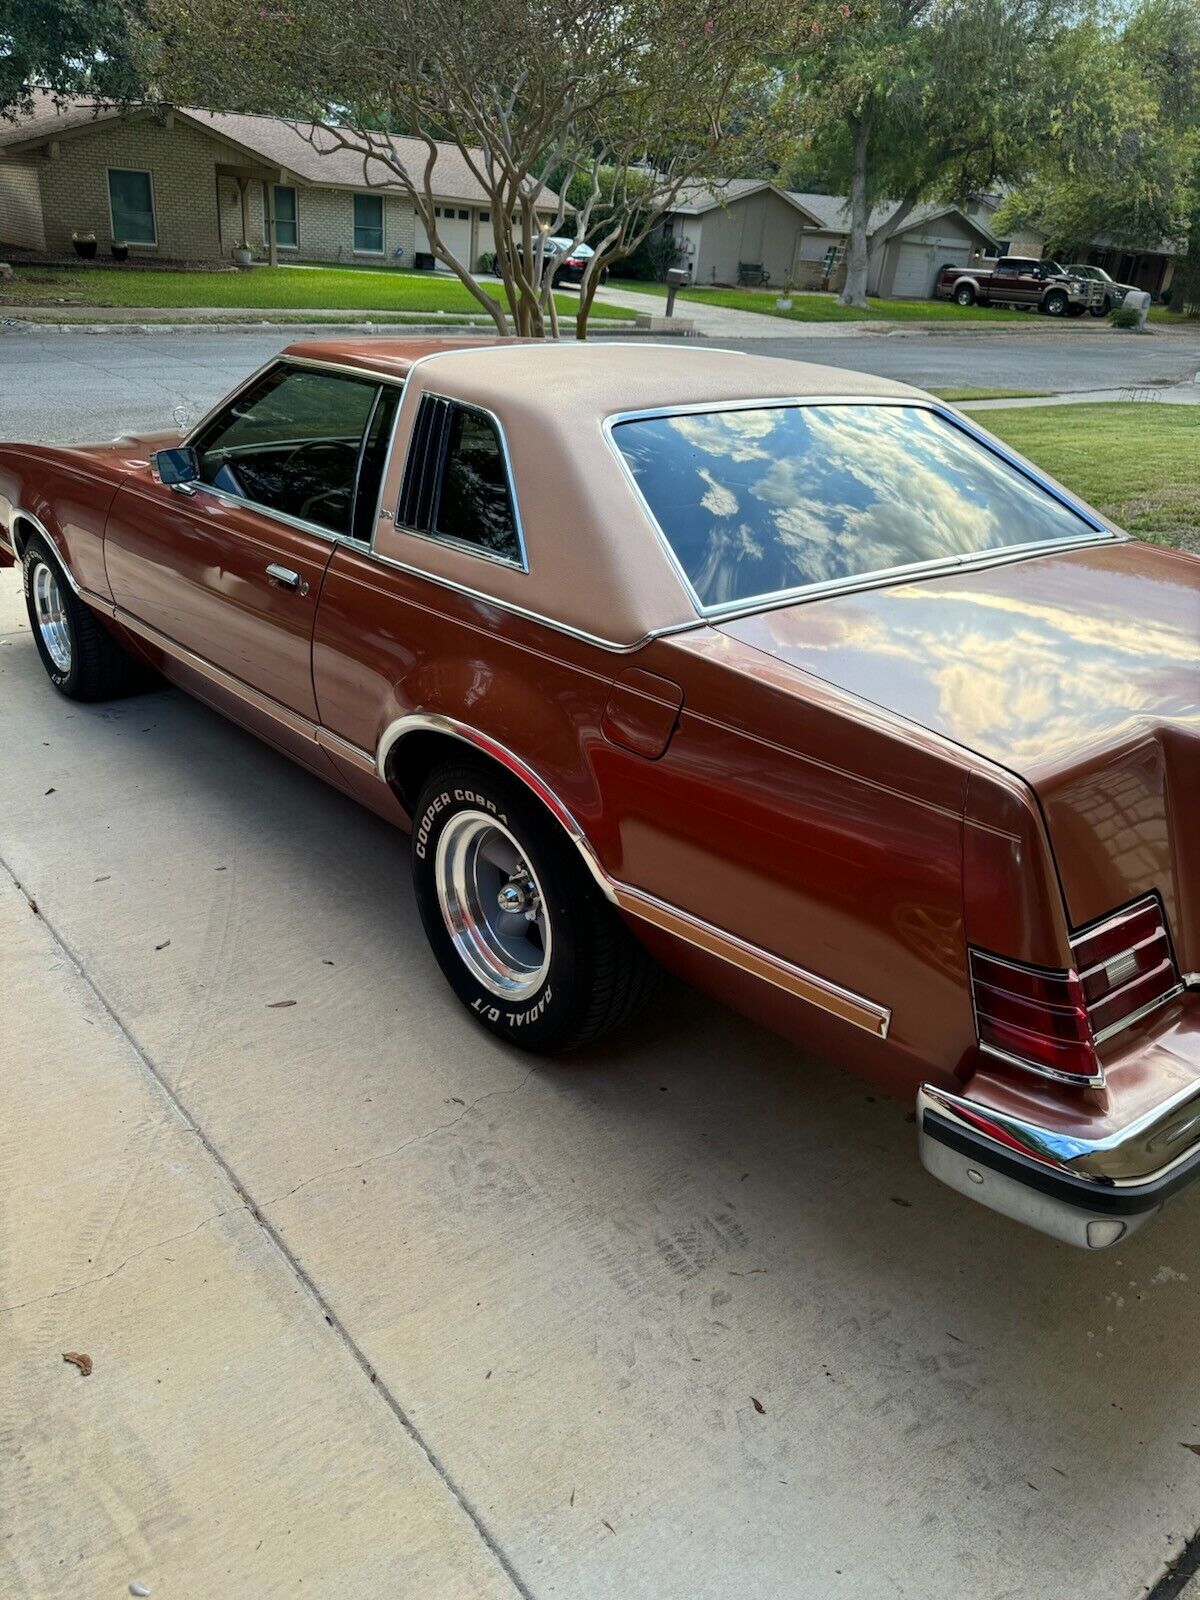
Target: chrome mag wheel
x=493, y=905
x=51, y=616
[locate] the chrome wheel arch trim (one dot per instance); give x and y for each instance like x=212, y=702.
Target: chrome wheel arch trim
x=764, y=964
x=450, y=727
x=19, y=514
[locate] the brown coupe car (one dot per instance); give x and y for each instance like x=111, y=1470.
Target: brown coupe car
x=790, y=679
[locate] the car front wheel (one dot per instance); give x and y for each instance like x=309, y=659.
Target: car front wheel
x=518, y=925
x=1102, y=309
x=81, y=658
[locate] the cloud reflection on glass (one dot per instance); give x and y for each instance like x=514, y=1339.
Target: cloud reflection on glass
x=760, y=501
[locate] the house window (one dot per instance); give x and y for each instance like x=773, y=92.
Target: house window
x=464, y=216
x=485, y=218
x=131, y=206
x=287, y=231
x=368, y=224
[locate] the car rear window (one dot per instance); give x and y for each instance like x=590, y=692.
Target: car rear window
x=761, y=501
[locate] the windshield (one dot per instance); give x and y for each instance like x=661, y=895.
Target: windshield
x=762, y=501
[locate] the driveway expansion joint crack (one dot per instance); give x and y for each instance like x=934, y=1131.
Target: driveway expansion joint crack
x=326, y=1310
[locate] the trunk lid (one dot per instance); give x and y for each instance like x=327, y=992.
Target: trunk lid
x=1078, y=671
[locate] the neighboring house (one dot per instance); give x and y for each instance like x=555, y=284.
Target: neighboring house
x=1024, y=242
x=802, y=238
x=906, y=264
x=724, y=225
x=1151, y=268
x=178, y=183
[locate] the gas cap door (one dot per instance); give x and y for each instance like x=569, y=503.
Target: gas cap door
x=642, y=712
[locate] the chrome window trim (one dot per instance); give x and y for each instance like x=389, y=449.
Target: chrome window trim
x=362, y=373
x=364, y=376
x=521, y=564
x=525, y=612
x=1100, y=534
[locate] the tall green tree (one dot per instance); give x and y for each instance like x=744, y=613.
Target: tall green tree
x=68, y=47
x=906, y=100
x=1124, y=157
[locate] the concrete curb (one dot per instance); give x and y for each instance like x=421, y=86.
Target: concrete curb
x=374, y=330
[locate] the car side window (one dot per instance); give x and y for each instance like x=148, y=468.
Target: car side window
x=456, y=484
x=291, y=443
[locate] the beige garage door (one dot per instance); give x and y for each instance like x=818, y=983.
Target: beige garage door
x=454, y=230
x=919, y=263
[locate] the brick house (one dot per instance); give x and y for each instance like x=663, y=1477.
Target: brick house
x=183, y=184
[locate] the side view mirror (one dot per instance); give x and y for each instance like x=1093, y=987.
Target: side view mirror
x=178, y=468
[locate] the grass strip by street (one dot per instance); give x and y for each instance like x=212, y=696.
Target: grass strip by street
x=1138, y=463
x=825, y=307
x=969, y=393
x=273, y=288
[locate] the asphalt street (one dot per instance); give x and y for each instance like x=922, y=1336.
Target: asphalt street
x=378, y=1307
x=75, y=386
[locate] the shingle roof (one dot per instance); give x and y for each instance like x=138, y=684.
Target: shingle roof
x=832, y=212
x=693, y=199
x=279, y=143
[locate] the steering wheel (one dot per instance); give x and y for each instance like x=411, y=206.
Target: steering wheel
x=310, y=447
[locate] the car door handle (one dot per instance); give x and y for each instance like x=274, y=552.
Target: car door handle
x=286, y=578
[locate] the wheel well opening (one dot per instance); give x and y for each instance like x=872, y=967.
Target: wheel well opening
x=413, y=758
x=22, y=531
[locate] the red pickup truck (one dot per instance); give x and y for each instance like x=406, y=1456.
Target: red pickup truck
x=1018, y=281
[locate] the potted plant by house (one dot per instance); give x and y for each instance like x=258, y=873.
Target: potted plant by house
x=84, y=245
x=783, y=300
x=242, y=255
x=120, y=250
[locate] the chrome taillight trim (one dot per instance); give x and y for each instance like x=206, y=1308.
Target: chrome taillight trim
x=1113, y=923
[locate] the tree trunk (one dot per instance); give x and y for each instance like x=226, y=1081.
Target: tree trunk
x=587, y=293
x=855, y=291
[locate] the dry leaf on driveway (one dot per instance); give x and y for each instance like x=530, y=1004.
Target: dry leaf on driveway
x=278, y=1005
x=78, y=1359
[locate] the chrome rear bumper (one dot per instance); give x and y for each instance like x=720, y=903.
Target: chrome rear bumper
x=1090, y=1193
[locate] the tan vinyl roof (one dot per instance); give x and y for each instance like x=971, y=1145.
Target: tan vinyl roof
x=596, y=562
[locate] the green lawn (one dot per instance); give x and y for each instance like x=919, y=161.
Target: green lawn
x=1138, y=463
x=990, y=394
x=279, y=288
x=824, y=307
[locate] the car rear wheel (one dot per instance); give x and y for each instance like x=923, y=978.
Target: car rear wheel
x=1056, y=303
x=518, y=925
x=81, y=658
x=964, y=295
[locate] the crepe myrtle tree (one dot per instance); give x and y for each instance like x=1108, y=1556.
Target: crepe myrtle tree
x=599, y=87
x=906, y=100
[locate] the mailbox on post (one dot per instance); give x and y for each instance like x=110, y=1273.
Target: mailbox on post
x=676, y=278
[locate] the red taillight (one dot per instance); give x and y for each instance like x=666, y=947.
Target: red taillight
x=1125, y=965
x=1037, y=1017
x=1052, y=1020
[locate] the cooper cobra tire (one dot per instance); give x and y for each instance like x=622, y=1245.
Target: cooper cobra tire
x=964, y=295
x=1056, y=303
x=519, y=927
x=81, y=658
